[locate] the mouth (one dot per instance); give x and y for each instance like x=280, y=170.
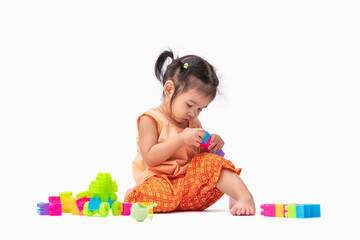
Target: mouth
x=185, y=119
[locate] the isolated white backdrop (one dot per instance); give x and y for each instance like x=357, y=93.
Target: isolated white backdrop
x=75, y=75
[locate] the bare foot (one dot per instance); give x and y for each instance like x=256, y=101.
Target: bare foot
x=127, y=193
x=244, y=206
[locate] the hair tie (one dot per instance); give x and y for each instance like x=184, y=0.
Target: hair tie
x=214, y=69
x=186, y=65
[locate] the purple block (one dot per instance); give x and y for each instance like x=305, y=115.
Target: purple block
x=43, y=208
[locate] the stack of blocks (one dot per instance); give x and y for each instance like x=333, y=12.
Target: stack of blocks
x=52, y=208
x=103, y=192
x=206, y=143
x=82, y=198
x=99, y=199
x=103, y=188
x=67, y=201
x=291, y=210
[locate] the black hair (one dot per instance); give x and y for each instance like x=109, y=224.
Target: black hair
x=187, y=72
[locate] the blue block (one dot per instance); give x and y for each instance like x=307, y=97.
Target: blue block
x=94, y=203
x=314, y=210
x=308, y=211
x=206, y=138
x=300, y=211
x=43, y=208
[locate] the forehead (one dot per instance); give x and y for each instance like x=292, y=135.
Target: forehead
x=197, y=97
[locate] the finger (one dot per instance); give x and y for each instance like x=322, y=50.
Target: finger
x=201, y=133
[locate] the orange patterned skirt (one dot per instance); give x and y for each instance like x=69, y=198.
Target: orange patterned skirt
x=194, y=191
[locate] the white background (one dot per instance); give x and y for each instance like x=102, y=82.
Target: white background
x=75, y=75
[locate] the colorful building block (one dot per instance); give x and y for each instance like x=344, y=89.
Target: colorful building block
x=206, y=143
x=67, y=201
x=81, y=202
x=103, y=197
x=268, y=210
x=291, y=210
x=126, y=209
x=43, y=208
x=55, y=208
x=279, y=210
x=303, y=211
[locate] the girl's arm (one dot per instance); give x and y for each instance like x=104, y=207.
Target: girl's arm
x=155, y=153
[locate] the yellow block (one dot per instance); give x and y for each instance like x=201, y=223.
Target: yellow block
x=147, y=204
x=279, y=210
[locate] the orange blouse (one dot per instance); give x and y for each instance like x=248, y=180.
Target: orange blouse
x=178, y=163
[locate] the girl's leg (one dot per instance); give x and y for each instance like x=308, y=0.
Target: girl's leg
x=232, y=185
x=127, y=194
x=157, y=189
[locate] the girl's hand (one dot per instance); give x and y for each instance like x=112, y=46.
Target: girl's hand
x=193, y=136
x=216, y=143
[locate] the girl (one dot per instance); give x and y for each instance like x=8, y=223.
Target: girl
x=170, y=168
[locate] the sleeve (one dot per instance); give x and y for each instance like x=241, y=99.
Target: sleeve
x=154, y=117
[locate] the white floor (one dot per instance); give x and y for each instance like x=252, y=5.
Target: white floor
x=216, y=222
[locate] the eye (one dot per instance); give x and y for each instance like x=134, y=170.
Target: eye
x=199, y=109
x=190, y=106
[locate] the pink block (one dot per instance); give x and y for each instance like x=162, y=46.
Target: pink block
x=205, y=146
x=268, y=210
x=126, y=209
x=54, y=199
x=81, y=202
x=55, y=209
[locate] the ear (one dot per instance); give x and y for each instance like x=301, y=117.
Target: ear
x=169, y=88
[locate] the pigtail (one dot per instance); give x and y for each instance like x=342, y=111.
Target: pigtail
x=159, y=65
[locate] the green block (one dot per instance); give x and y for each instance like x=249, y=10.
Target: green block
x=291, y=211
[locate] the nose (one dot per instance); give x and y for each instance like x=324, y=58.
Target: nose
x=191, y=114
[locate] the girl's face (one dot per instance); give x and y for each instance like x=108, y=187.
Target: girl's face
x=187, y=106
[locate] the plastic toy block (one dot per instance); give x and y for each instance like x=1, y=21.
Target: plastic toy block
x=206, y=140
x=313, y=211
x=279, y=210
x=85, y=194
x=206, y=143
x=268, y=210
x=103, y=197
x=67, y=201
x=94, y=203
x=65, y=194
x=75, y=210
x=81, y=202
x=291, y=210
x=303, y=211
x=54, y=199
x=43, y=208
x=220, y=153
x=126, y=209
x=103, y=187
x=55, y=209
x=149, y=204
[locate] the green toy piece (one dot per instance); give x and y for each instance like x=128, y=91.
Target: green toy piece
x=103, y=197
x=140, y=212
x=116, y=208
x=103, y=187
x=291, y=211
